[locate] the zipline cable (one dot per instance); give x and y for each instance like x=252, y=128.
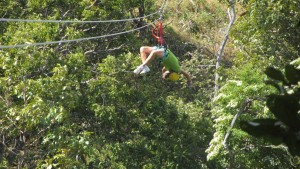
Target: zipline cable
x=74, y=21
x=83, y=39
x=73, y=40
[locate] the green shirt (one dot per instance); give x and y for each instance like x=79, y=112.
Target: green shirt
x=171, y=62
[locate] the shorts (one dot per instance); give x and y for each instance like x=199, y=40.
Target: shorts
x=163, y=49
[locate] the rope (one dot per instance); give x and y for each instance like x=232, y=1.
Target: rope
x=74, y=40
x=157, y=31
x=73, y=21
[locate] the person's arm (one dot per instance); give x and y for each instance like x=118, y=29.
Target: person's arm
x=163, y=70
x=187, y=76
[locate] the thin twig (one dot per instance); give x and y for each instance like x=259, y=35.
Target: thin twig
x=3, y=143
x=40, y=134
x=4, y=14
x=177, y=7
x=92, y=4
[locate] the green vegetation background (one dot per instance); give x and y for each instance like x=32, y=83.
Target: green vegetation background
x=78, y=105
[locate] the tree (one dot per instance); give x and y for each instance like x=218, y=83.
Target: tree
x=242, y=95
x=77, y=105
x=269, y=29
x=284, y=128
x=260, y=35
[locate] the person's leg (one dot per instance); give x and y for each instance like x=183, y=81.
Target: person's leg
x=155, y=53
x=150, y=58
x=145, y=51
x=147, y=55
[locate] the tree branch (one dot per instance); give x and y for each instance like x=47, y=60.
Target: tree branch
x=232, y=17
x=106, y=51
x=177, y=7
x=243, y=108
x=8, y=148
x=193, y=2
x=92, y=4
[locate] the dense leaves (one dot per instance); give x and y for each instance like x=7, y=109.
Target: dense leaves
x=285, y=107
x=78, y=105
x=262, y=34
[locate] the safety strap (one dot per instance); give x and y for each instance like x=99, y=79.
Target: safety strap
x=157, y=32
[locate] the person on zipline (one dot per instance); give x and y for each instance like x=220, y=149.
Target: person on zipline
x=171, y=69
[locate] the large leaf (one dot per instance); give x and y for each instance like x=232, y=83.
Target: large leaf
x=275, y=74
x=274, y=84
x=292, y=74
x=293, y=143
x=285, y=108
x=267, y=128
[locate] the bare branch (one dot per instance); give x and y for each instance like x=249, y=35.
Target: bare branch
x=40, y=133
x=107, y=50
x=66, y=13
x=4, y=100
x=243, y=108
x=193, y=2
x=8, y=148
x=209, y=66
x=229, y=14
x=177, y=8
x=4, y=14
x=88, y=29
x=92, y=4
x=223, y=44
x=14, y=124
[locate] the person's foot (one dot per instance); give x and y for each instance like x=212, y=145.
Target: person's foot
x=139, y=69
x=145, y=70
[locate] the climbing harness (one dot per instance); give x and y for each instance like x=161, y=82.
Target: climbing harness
x=157, y=32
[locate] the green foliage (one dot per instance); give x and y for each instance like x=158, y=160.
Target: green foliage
x=78, y=105
x=111, y=119
x=75, y=106
x=269, y=28
x=77, y=115
x=285, y=107
x=246, y=83
x=265, y=34
x=149, y=127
